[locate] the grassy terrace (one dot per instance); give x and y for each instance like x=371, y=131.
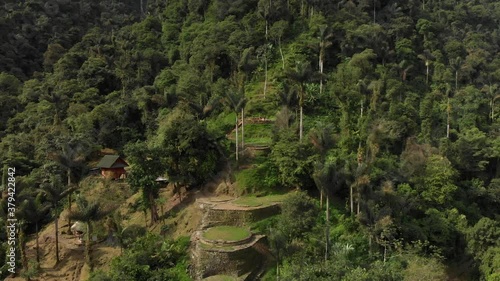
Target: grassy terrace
x=253, y=201
x=256, y=134
x=220, y=278
x=226, y=233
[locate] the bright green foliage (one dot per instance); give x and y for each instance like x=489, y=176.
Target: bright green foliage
x=484, y=235
x=292, y=160
x=149, y=258
x=437, y=186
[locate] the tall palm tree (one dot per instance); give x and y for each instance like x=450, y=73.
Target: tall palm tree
x=54, y=192
x=361, y=179
x=492, y=90
x=427, y=57
x=263, y=10
x=23, y=219
x=321, y=138
x=301, y=75
x=456, y=66
x=71, y=157
x=246, y=65
x=35, y=211
x=203, y=108
x=448, y=110
x=404, y=67
x=88, y=212
x=287, y=96
x=324, y=43
x=236, y=101
x=328, y=177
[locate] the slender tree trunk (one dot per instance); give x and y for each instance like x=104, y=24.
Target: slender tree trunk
x=4, y=179
x=327, y=230
x=456, y=80
x=56, y=222
x=492, y=103
x=281, y=53
x=37, y=245
x=351, y=199
x=321, y=71
x=265, y=61
x=277, y=270
x=237, y=136
x=374, y=12
x=87, y=246
x=242, y=129
x=427, y=78
x=370, y=244
x=321, y=199
x=153, y=209
x=301, y=124
x=448, y=119
x=357, y=201
x=22, y=247
x=69, y=200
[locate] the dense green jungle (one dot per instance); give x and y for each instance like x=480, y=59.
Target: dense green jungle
x=378, y=120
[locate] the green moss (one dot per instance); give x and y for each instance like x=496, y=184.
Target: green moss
x=226, y=233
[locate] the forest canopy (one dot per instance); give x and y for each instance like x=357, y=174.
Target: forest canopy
x=387, y=110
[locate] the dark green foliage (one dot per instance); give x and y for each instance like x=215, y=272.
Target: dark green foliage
x=408, y=92
x=298, y=215
x=147, y=165
x=192, y=153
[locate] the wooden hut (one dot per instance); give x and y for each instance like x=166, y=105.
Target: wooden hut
x=112, y=167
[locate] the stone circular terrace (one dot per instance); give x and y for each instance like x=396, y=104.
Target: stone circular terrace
x=226, y=235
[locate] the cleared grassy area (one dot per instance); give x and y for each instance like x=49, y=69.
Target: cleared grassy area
x=226, y=233
x=220, y=278
x=253, y=201
x=256, y=134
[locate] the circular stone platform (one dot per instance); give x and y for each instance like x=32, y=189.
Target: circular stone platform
x=226, y=235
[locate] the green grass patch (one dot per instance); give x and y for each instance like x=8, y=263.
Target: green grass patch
x=248, y=201
x=247, y=180
x=260, y=178
x=220, y=278
x=256, y=134
x=226, y=233
x=258, y=140
x=254, y=201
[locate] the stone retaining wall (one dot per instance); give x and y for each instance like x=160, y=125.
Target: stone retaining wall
x=218, y=217
x=214, y=261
